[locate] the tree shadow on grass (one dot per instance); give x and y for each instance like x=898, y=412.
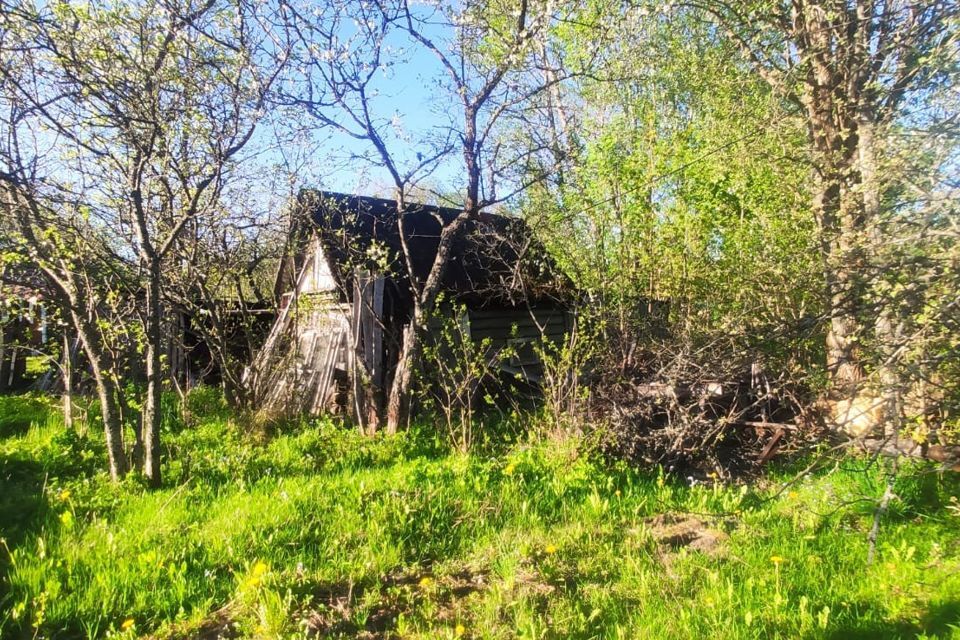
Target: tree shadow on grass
x=23, y=509
x=940, y=621
x=22, y=503
x=19, y=412
x=13, y=427
x=943, y=619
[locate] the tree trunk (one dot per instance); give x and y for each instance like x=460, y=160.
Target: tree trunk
x=401, y=388
x=398, y=405
x=107, y=393
x=151, y=407
x=843, y=363
x=887, y=331
x=67, y=381
x=112, y=423
x=838, y=219
x=234, y=391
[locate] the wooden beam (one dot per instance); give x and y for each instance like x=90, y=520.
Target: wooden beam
x=376, y=334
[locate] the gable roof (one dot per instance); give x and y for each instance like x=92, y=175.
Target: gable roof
x=496, y=260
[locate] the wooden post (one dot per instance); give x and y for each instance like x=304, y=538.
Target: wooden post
x=367, y=332
x=379, y=373
x=372, y=323
x=356, y=351
x=367, y=323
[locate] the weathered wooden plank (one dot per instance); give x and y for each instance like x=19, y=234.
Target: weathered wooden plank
x=517, y=316
x=368, y=295
x=367, y=319
x=324, y=373
x=263, y=363
x=771, y=448
x=531, y=373
x=355, y=356
x=539, y=312
x=516, y=331
x=376, y=335
x=507, y=328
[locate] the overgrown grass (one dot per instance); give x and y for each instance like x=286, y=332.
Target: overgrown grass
x=316, y=530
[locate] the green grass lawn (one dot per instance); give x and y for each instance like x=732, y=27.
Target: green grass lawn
x=315, y=531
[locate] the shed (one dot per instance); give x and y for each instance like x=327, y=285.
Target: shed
x=24, y=329
x=345, y=295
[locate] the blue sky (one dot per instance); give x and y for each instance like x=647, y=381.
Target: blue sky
x=412, y=97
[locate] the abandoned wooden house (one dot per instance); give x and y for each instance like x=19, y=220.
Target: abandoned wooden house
x=346, y=294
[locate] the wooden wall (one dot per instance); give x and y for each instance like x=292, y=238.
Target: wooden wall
x=523, y=329
x=318, y=341
x=296, y=371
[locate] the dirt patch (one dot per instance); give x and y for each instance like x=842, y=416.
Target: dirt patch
x=370, y=611
x=531, y=583
x=340, y=609
x=673, y=532
x=219, y=625
x=363, y=610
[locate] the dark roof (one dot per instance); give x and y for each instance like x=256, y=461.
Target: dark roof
x=496, y=260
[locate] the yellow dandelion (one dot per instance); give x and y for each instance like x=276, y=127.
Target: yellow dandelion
x=425, y=582
x=617, y=493
x=459, y=630
x=792, y=494
x=126, y=624
x=550, y=549
x=65, y=495
x=256, y=575
x=508, y=470
x=778, y=560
